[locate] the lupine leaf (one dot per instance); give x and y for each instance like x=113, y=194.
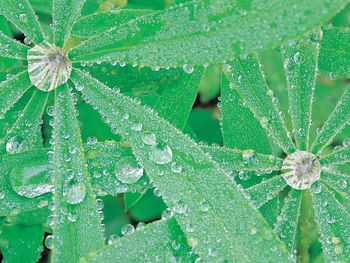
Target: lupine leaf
x=159, y=39
x=177, y=99
x=77, y=229
x=5, y=63
x=261, y=193
x=20, y=243
x=95, y=24
x=12, y=90
x=198, y=198
x=240, y=129
x=286, y=226
x=42, y=6
x=339, y=182
x=26, y=129
x=333, y=220
x=159, y=240
x=251, y=86
x=10, y=48
x=300, y=63
x=340, y=156
x=335, y=51
x=64, y=14
x=21, y=14
x=270, y=210
x=335, y=124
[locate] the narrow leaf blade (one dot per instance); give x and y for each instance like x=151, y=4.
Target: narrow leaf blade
x=300, y=64
x=21, y=14
x=10, y=48
x=73, y=238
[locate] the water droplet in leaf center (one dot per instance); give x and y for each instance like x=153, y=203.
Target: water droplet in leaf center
x=301, y=169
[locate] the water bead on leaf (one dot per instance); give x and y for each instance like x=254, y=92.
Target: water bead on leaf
x=127, y=170
x=161, y=154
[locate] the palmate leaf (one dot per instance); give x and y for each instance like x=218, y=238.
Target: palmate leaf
x=193, y=185
x=159, y=39
x=77, y=229
x=10, y=48
x=335, y=51
x=333, y=220
x=240, y=129
x=161, y=240
x=64, y=14
x=24, y=134
x=21, y=243
x=250, y=83
x=12, y=90
x=21, y=14
x=300, y=63
x=336, y=122
x=95, y=24
x=338, y=181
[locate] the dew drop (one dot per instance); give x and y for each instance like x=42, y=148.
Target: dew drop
x=23, y=18
x=49, y=242
x=161, y=154
x=188, y=68
x=176, y=168
x=74, y=192
x=16, y=144
x=112, y=239
x=127, y=229
x=148, y=138
x=128, y=170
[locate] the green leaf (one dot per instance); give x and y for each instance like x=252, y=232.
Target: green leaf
x=77, y=229
x=335, y=51
x=300, y=64
x=42, y=6
x=287, y=223
x=20, y=243
x=211, y=31
x=178, y=98
x=247, y=160
x=240, y=128
x=95, y=24
x=10, y=48
x=333, y=220
x=12, y=90
x=339, y=156
x=261, y=193
x=64, y=15
x=336, y=122
x=248, y=79
x=202, y=199
x=270, y=210
x=24, y=133
x=339, y=182
x=21, y=14
x=161, y=239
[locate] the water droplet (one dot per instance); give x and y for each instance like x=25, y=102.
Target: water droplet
x=32, y=179
x=148, y=138
x=23, y=18
x=161, y=154
x=301, y=169
x=112, y=239
x=136, y=127
x=204, y=206
x=175, y=245
x=99, y=204
x=167, y=213
x=16, y=144
x=127, y=229
x=72, y=217
x=188, y=68
x=298, y=58
x=91, y=140
x=48, y=66
x=176, y=168
x=128, y=170
x=2, y=194
x=74, y=192
x=49, y=242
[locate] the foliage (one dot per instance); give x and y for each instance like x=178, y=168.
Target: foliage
x=143, y=176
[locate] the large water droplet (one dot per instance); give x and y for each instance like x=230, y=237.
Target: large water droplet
x=74, y=192
x=31, y=180
x=48, y=66
x=16, y=144
x=161, y=154
x=127, y=170
x=301, y=169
